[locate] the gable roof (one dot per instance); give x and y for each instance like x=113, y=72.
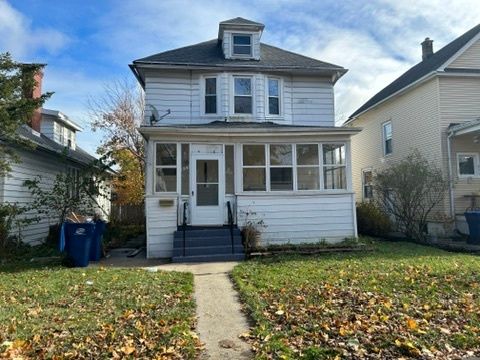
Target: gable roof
x=210, y=54
x=240, y=21
x=419, y=70
x=46, y=144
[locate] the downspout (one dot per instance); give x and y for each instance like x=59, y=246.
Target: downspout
x=450, y=174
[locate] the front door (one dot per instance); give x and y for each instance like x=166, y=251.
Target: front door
x=207, y=189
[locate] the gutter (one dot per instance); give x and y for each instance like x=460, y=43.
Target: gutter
x=450, y=173
x=137, y=75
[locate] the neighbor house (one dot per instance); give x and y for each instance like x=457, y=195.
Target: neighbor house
x=54, y=150
x=242, y=133
x=434, y=107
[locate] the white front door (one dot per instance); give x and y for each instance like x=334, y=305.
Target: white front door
x=207, y=189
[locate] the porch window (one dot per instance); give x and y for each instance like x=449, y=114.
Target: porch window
x=334, y=166
x=273, y=96
x=242, y=45
x=166, y=168
x=387, y=138
x=185, y=169
x=308, y=168
x=254, y=168
x=211, y=95
x=243, y=100
x=367, y=182
x=467, y=164
x=229, y=170
x=281, y=167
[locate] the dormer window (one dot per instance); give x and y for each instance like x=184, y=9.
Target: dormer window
x=242, y=45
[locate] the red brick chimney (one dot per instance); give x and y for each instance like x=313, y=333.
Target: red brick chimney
x=36, y=119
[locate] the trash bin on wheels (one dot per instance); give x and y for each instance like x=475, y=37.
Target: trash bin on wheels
x=96, y=244
x=79, y=239
x=473, y=221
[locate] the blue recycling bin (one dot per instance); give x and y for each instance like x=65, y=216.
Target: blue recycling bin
x=96, y=244
x=79, y=239
x=473, y=221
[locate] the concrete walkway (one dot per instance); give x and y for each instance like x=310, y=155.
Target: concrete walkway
x=220, y=320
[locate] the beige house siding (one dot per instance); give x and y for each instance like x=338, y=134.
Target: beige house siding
x=459, y=103
x=414, y=118
x=468, y=59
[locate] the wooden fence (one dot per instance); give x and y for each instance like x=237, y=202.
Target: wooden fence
x=128, y=214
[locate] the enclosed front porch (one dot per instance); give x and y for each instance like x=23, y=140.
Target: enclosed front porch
x=464, y=143
x=295, y=188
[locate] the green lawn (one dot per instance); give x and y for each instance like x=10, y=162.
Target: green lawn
x=96, y=313
x=402, y=300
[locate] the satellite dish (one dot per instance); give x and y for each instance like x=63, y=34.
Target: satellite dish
x=154, y=117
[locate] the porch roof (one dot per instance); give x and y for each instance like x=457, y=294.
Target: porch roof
x=465, y=128
x=247, y=129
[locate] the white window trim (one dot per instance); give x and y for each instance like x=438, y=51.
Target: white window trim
x=318, y=166
x=344, y=164
x=203, y=78
x=280, y=98
x=363, y=182
x=177, y=166
x=321, y=167
x=232, y=96
x=232, y=48
x=265, y=166
x=476, y=165
x=384, y=139
x=291, y=166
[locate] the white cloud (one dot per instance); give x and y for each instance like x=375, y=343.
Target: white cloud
x=18, y=37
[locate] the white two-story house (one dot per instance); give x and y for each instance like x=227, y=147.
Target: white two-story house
x=241, y=132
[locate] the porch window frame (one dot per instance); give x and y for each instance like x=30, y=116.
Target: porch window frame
x=265, y=167
x=279, y=97
x=177, y=166
x=233, y=95
x=476, y=165
x=203, y=87
x=319, y=166
x=345, y=165
x=291, y=166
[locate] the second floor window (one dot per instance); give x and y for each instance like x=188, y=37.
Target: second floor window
x=210, y=95
x=387, y=138
x=242, y=45
x=243, y=101
x=273, y=97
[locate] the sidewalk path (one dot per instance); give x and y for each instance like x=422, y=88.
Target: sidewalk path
x=220, y=320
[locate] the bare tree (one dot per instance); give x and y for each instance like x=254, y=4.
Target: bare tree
x=409, y=191
x=118, y=113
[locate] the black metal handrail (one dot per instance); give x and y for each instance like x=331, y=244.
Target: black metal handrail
x=230, y=223
x=184, y=226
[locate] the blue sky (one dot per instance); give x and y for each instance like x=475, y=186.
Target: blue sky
x=90, y=43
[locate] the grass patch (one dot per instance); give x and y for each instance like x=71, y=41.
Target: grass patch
x=55, y=312
x=402, y=300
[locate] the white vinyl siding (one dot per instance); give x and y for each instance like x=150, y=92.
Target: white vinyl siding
x=161, y=224
x=300, y=218
x=303, y=100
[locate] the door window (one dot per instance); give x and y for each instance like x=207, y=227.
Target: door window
x=207, y=182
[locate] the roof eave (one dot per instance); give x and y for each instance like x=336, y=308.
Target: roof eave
x=416, y=83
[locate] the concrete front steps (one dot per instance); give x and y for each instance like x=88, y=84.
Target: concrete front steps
x=207, y=244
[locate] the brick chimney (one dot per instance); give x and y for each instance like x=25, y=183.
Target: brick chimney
x=427, y=48
x=36, y=120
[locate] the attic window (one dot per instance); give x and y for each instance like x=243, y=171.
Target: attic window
x=242, y=45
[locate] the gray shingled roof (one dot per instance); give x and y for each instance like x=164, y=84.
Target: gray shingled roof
x=209, y=53
x=240, y=21
x=44, y=143
x=421, y=69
